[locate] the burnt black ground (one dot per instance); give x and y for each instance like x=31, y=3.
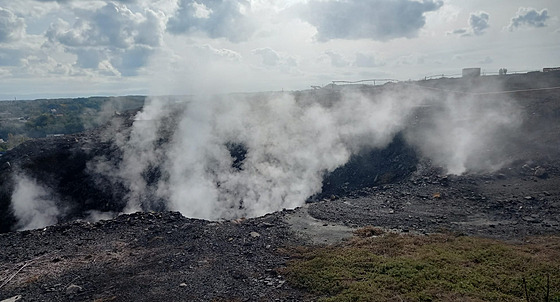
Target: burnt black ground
x=164, y=256
x=497, y=205
x=150, y=257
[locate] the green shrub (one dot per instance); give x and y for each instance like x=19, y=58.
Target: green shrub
x=429, y=268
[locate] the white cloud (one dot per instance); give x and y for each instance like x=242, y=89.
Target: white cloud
x=269, y=56
x=132, y=59
x=337, y=60
x=217, y=19
x=272, y=58
x=89, y=57
x=529, y=17
x=380, y=20
x=365, y=60
x=68, y=1
x=25, y=9
x=42, y=65
x=272, y=44
x=112, y=34
x=479, y=22
x=198, y=68
x=12, y=28
x=460, y=31
x=223, y=53
x=112, y=25
x=201, y=11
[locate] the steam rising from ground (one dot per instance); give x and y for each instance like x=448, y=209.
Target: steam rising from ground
x=33, y=205
x=179, y=154
x=467, y=133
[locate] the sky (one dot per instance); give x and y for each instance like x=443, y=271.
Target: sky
x=72, y=48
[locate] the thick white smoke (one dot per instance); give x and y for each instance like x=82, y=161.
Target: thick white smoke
x=33, y=205
x=466, y=132
x=291, y=143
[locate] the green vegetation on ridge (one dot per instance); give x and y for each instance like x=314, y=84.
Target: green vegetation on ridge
x=429, y=268
x=21, y=120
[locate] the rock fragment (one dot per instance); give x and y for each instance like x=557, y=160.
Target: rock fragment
x=541, y=172
x=73, y=289
x=12, y=299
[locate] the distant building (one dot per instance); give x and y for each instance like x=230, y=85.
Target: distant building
x=471, y=72
x=549, y=69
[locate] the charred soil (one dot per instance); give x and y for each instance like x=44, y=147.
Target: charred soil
x=156, y=256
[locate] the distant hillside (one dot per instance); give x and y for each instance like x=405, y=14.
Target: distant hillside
x=20, y=120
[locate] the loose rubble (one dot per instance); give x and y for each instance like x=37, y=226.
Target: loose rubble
x=163, y=256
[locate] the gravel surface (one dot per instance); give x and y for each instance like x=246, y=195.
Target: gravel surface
x=504, y=206
x=163, y=256
x=149, y=257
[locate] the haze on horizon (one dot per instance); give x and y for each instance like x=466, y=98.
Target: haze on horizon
x=69, y=48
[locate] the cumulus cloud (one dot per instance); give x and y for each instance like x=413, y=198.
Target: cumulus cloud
x=112, y=26
x=68, y=1
x=479, y=22
x=376, y=20
x=217, y=19
x=222, y=53
x=112, y=34
x=132, y=59
x=459, y=31
x=271, y=58
x=529, y=17
x=11, y=26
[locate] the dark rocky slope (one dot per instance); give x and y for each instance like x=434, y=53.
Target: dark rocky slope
x=164, y=256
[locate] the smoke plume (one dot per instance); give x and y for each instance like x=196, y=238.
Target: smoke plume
x=33, y=205
x=467, y=132
x=186, y=156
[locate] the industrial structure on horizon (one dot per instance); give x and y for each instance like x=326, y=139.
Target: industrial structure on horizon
x=471, y=72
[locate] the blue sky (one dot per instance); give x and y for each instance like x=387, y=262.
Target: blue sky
x=68, y=48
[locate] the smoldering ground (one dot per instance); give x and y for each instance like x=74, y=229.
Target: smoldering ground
x=33, y=204
x=244, y=155
x=181, y=154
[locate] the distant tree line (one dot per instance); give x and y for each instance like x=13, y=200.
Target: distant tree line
x=20, y=120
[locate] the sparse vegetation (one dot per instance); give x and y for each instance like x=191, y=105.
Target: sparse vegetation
x=12, y=141
x=429, y=268
x=21, y=120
